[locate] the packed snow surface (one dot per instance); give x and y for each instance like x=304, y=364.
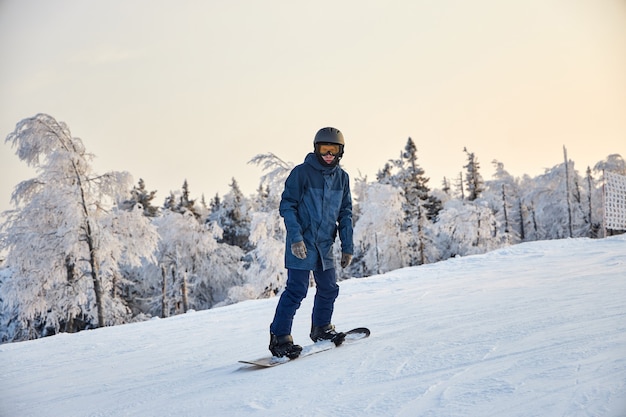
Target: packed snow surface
x=537, y=329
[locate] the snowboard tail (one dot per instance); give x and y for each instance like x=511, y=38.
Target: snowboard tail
x=270, y=361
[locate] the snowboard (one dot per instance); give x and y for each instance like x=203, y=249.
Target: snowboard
x=270, y=361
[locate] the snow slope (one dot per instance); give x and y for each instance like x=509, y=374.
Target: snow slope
x=537, y=329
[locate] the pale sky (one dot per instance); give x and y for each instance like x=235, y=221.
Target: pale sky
x=175, y=90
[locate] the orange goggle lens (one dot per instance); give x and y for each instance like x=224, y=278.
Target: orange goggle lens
x=328, y=148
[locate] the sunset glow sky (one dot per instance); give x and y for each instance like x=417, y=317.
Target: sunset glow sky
x=194, y=89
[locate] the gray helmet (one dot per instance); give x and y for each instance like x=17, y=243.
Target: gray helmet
x=329, y=135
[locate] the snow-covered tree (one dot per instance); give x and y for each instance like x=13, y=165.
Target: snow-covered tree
x=272, y=182
x=379, y=245
x=420, y=207
x=127, y=225
x=80, y=250
x=502, y=196
x=140, y=195
x=406, y=174
x=473, y=180
x=612, y=163
x=466, y=228
x=9, y=327
x=545, y=199
x=65, y=244
x=181, y=202
x=192, y=271
x=263, y=268
x=232, y=215
x=594, y=203
x=445, y=186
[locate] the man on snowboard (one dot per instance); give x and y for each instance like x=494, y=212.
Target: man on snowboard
x=316, y=205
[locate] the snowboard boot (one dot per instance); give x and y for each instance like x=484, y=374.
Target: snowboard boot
x=327, y=332
x=281, y=346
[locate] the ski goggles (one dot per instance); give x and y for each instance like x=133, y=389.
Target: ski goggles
x=328, y=148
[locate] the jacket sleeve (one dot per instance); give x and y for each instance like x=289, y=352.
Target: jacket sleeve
x=345, y=219
x=291, y=197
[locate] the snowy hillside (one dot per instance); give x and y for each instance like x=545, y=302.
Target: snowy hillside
x=537, y=329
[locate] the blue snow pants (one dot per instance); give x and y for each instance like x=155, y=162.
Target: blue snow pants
x=296, y=290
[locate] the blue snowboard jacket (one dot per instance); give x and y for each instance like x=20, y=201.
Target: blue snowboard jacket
x=316, y=204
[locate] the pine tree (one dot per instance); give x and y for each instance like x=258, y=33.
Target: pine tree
x=181, y=202
x=186, y=203
x=459, y=186
x=170, y=202
x=445, y=186
x=232, y=216
x=383, y=176
x=420, y=207
x=473, y=179
x=406, y=174
x=140, y=195
x=215, y=204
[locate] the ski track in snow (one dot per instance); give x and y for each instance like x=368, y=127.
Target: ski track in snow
x=537, y=329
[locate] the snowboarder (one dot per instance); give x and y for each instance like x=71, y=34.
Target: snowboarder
x=316, y=205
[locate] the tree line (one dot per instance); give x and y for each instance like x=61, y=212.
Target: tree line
x=84, y=250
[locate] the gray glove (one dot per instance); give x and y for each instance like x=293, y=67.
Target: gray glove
x=346, y=259
x=299, y=250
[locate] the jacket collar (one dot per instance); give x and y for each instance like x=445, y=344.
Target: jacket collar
x=312, y=160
